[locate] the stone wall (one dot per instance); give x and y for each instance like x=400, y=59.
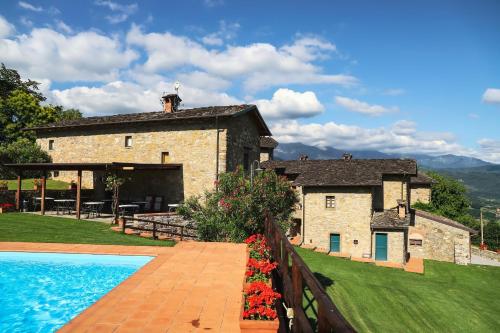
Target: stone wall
x=242, y=136
x=440, y=241
x=486, y=253
x=420, y=193
x=395, y=188
x=192, y=144
x=395, y=246
x=350, y=218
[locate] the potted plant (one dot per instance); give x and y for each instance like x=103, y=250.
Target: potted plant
x=259, y=264
x=72, y=185
x=4, y=185
x=37, y=183
x=258, y=309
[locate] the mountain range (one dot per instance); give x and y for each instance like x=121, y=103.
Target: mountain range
x=292, y=151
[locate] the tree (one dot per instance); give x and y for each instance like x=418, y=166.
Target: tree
x=449, y=199
x=20, y=107
x=113, y=184
x=22, y=151
x=238, y=208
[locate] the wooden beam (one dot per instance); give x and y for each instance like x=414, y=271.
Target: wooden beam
x=42, y=203
x=78, y=194
x=18, y=192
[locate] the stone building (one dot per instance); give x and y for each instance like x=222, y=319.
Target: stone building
x=202, y=142
x=360, y=209
x=267, y=146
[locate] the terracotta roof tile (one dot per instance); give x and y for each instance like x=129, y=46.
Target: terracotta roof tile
x=268, y=142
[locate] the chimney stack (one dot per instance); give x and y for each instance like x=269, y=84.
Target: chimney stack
x=347, y=157
x=402, y=209
x=303, y=157
x=171, y=102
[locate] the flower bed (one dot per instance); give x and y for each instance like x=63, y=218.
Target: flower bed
x=259, y=299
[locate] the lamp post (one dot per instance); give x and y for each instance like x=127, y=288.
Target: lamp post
x=253, y=170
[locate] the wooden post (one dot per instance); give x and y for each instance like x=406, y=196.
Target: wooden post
x=18, y=192
x=323, y=325
x=154, y=230
x=297, y=291
x=182, y=233
x=78, y=194
x=42, y=203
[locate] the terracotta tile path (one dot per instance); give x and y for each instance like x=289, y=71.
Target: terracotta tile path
x=192, y=287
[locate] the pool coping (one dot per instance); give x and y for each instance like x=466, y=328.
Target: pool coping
x=191, y=286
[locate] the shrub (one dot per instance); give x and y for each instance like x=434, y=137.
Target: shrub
x=237, y=208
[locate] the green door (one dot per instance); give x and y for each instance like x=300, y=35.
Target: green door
x=381, y=247
x=334, y=243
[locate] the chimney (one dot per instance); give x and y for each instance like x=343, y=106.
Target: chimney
x=347, y=157
x=402, y=209
x=303, y=157
x=171, y=102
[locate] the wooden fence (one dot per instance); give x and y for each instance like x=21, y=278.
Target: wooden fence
x=294, y=280
x=158, y=227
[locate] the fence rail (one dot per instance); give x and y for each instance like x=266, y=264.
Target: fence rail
x=294, y=279
x=158, y=227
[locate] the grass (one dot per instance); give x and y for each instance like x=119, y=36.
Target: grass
x=19, y=227
x=27, y=184
x=447, y=298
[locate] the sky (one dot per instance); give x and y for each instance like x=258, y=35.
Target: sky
x=395, y=76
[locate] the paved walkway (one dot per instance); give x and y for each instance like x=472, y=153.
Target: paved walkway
x=192, y=287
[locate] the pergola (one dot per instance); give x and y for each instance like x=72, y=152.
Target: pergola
x=79, y=167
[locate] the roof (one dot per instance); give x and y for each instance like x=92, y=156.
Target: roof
x=268, y=142
x=161, y=116
x=443, y=220
x=339, y=172
x=422, y=179
x=389, y=219
x=92, y=166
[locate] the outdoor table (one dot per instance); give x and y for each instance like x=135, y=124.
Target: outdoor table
x=35, y=203
x=172, y=207
x=65, y=205
x=93, y=208
x=131, y=208
x=141, y=204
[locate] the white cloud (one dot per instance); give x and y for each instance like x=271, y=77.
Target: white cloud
x=227, y=31
x=127, y=97
x=86, y=56
x=355, y=105
x=258, y=65
x=29, y=6
x=6, y=29
x=491, y=96
x=63, y=27
x=290, y=104
x=122, y=12
x=489, y=150
x=213, y=3
x=203, y=80
x=402, y=137
x=26, y=21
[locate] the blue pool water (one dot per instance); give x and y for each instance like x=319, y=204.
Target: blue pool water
x=40, y=292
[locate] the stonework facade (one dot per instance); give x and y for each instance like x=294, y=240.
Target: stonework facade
x=350, y=218
x=394, y=188
x=396, y=251
x=420, y=193
x=439, y=241
x=199, y=145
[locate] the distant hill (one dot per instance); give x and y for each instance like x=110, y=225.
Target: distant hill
x=291, y=151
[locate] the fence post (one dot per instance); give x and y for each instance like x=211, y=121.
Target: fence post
x=123, y=223
x=297, y=291
x=182, y=232
x=154, y=230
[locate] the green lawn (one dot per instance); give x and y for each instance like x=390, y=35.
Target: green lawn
x=27, y=184
x=447, y=298
x=19, y=227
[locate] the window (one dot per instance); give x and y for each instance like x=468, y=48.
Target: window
x=165, y=157
x=330, y=201
x=128, y=141
x=246, y=159
x=51, y=144
x=55, y=174
x=417, y=242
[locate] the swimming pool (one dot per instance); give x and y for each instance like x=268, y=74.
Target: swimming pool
x=40, y=292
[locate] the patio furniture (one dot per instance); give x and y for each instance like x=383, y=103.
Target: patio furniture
x=37, y=201
x=93, y=208
x=158, y=203
x=141, y=204
x=64, y=205
x=149, y=199
x=173, y=207
x=128, y=209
